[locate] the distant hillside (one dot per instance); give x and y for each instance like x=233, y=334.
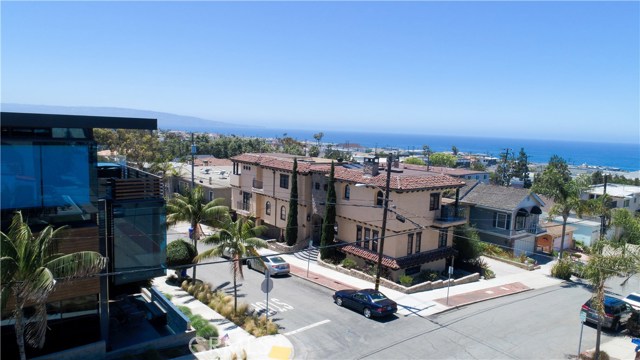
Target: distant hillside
x=165, y=120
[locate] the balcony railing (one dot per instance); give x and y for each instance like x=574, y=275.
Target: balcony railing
x=242, y=206
x=449, y=213
x=257, y=184
x=135, y=189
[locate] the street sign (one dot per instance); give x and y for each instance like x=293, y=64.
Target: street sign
x=450, y=270
x=583, y=316
x=267, y=285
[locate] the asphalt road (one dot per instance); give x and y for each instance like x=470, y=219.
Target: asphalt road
x=538, y=324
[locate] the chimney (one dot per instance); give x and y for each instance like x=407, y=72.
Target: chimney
x=371, y=166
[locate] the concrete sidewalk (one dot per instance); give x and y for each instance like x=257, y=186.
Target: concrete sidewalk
x=276, y=347
x=431, y=302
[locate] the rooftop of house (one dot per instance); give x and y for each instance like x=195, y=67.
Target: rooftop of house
x=33, y=120
x=615, y=190
x=494, y=196
x=444, y=170
x=401, y=179
x=555, y=229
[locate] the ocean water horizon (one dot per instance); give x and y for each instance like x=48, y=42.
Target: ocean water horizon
x=624, y=156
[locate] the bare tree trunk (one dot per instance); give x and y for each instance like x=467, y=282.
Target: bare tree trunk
x=564, y=228
x=235, y=288
x=194, y=235
x=20, y=327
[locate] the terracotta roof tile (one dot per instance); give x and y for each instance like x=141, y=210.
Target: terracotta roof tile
x=399, y=180
x=401, y=262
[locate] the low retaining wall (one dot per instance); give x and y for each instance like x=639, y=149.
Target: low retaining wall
x=529, y=267
x=425, y=286
x=282, y=247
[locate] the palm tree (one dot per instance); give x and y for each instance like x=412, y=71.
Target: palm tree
x=555, y=183
x=192, y=207
x=239, y=238
x=608, y=259
x=30, y=266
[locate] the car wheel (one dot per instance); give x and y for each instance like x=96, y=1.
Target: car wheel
x=616, y=327
x=339, y=301
x=367, y=313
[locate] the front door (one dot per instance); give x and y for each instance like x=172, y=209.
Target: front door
x=316, y=229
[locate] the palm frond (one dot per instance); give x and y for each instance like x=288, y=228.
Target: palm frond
x=214, y=252
x=7, y=292
x=79, y=264
x=36, y=328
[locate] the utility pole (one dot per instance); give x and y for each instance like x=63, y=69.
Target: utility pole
x=193, y=163
x=193, y=187
x=384, y=220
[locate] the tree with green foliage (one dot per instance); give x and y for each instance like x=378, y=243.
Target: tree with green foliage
x=521, y=169
x=318, y=137
x=238, y=238
x=193, y=208
x=331, y=153
x=467, y=242
x=138, y=146
x=454, y=150
x=414, y=161
x=627, y=227
x=328, y=224
x=291, y=232
x=478, y=166
x=314, y=151
x=607, y=260
x=31, y=268
x=565, y=192
x=180, y=253
x=443, y=159
x=504, y=169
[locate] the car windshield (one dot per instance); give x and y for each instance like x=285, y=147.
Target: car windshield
x=277, y=260
x=633, y=297
x=377, y=296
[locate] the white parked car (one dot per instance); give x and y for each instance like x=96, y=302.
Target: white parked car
x=633, y=299
x=277, y=265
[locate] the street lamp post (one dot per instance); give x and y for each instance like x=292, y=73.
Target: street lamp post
x=384, y=221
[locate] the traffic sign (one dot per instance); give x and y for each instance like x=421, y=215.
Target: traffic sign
x=583, y=316
x=267, y=285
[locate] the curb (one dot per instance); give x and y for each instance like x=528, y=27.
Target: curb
x=482, y=300
x=312, y=280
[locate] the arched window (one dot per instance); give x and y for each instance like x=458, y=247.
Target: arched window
x=379, y=198
x=347, y=192
x=283, y=213
x=267, y=208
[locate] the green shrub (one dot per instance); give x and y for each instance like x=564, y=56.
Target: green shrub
x=562, y=269
x=185, y=310
x=180, y=253
x=488, y=274
x=208, y=331
x=349, y=263
x=406, y=280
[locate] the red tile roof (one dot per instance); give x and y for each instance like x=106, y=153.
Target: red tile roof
x=399, y=180
x=401, y=262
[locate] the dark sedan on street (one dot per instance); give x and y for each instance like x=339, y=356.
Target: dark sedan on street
x=368, y=301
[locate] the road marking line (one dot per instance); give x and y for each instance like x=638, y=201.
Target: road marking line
x=489, y=292
x=306, y=327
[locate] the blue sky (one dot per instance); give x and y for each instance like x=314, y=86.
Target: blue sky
x=556, y=70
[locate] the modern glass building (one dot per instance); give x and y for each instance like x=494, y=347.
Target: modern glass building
x=49, y=172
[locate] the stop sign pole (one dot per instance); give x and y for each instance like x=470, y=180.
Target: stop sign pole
x=583, y=318
x=267, y=285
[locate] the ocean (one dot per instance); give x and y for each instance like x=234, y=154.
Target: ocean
x=625, y=156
